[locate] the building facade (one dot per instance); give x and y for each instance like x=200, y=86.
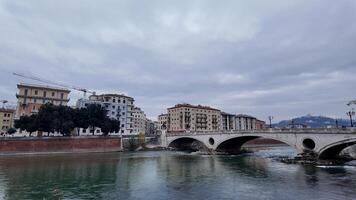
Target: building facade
x=118, y=106
x=139, y=121
x=187, y=117
x=228, y=121
x=260, y=125
x=245, y=122
x=31, y=97
x=163, y=122
x=6, y=119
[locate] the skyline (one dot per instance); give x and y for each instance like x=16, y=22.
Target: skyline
x=284, y=59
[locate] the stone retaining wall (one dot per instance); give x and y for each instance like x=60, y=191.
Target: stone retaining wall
x=60, y=144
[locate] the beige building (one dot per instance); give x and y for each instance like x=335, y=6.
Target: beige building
x=163, y=122
x=139, y=120
x=31, y=97
x=186, y=117
x=6, y=119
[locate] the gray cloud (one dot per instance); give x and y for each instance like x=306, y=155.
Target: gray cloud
x=285, y=58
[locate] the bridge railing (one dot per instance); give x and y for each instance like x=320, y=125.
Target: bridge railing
x=271, y=131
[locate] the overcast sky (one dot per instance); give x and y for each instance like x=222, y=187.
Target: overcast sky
x=276, y=57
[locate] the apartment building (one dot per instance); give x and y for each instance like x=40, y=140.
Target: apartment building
x=245, y=122
x=187, y=117
x=139, y=120
x=228, y=121
x=31, y=97
x=118, y=107
x=260, y=125
x=163, y=122
x=6, y=119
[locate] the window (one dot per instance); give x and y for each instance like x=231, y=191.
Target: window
x=124, y=101
x=114, y=100
x=113, y=107
x=123, y=113
x=122, y=125
x=36, y=92
x=34, y=107
x=34, y=100
x=52, y=94
x=62, y=95
x=26, y=91
x=44, y=94
x=97, y=131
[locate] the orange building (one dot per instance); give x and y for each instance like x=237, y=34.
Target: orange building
x=31, y=97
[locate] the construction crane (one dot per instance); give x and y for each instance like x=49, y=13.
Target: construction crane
x=85, y=91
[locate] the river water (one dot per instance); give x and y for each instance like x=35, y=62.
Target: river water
x=172, y=175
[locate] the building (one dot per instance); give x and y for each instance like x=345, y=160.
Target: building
x=31, y=97
x=163, y=122
x=118, y=106
x=139, y=121
x=260, y=125
x=187, y=117
x=151, y=128
x=245, y=122
x=6, y=119
x=228, y=121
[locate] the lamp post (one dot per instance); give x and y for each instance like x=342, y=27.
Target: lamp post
x=350, y=114
x=270, y=118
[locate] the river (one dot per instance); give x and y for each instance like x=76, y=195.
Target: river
x=172, y=175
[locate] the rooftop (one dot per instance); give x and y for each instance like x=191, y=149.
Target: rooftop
x=21, y=85
x=113, y=95
x=193, y=106
x=7, y=110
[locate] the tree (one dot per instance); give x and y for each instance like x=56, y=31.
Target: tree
x=96, y=116
x=81, y=118
x=27, y=123
x=11, y=131
x=109, y=126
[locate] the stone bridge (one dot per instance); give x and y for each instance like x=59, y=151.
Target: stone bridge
x=324, y=143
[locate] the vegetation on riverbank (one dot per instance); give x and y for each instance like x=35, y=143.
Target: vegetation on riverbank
x=64, y=119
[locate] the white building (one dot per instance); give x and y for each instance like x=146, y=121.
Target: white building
x=118, y=107
x=245, y=122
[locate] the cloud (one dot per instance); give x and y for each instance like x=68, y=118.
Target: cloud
x=258, y=57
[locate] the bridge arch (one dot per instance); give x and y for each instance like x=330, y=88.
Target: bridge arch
x=187, y=143
x=233, y=145
x=332, y=151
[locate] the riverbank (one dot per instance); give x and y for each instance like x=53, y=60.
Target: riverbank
x=42, y=145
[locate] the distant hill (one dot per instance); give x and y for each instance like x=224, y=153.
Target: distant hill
x=313, y=122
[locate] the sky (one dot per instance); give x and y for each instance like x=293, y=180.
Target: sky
x=283, y=58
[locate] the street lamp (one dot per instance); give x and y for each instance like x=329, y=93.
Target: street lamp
x=350, y=114
x=270, y=118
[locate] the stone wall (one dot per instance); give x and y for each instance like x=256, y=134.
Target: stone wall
x=60, y=144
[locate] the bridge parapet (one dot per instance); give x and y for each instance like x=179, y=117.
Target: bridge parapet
x=269, y=131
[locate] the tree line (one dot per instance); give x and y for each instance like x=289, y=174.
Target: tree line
x=63, y=119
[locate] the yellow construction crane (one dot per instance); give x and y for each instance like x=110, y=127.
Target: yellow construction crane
x=85, y=91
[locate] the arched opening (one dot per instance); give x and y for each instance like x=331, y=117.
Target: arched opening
x=333, y=151
x=187, y=144
x=234, y=145
x=308, y=144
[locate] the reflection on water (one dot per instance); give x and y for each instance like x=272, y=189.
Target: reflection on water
x=171, y=175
